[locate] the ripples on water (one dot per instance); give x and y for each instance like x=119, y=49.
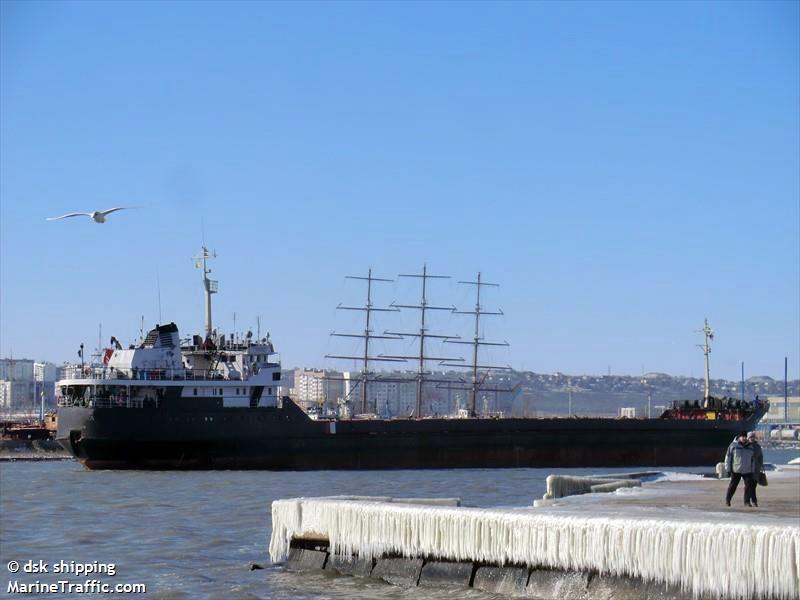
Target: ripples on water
x=195, y=534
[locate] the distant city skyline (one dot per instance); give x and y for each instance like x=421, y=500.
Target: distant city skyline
x=622, y=170
x=355, y=369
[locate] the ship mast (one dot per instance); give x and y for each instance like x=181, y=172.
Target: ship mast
x=211, y=286
x=368, y=308
x=478, y=341
x=706, y=347
x=423, y=334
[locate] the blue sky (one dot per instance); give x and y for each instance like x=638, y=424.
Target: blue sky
x=623, y=170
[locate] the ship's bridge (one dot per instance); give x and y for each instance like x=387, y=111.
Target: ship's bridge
x=161, y=357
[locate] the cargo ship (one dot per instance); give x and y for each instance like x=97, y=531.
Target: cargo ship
x=211, y=402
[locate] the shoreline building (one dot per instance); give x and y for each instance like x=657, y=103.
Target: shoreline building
x=316, y=388
x=16, y=385
x=45, y=375
x=23, y=382
x=776, y=412
x=384, y=398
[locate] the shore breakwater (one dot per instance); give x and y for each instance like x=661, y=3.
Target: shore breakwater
x=589, y=547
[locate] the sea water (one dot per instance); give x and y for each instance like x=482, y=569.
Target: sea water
x=196, y=534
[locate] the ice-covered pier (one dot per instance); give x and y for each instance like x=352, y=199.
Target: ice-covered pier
x=669, y=539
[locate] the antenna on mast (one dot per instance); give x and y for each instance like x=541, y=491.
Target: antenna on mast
x=158, y=287
x=423, y=334
x=706, y=347
x=211, y=286
x=368, y=308
x=478, y=341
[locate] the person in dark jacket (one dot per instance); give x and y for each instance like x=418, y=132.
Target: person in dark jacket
x=758, y=464
x=740, y=464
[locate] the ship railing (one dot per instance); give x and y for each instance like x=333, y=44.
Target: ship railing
x=155, y=374
x=724, y=403
x=108, y=402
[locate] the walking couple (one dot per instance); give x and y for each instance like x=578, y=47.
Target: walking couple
x=744, y=460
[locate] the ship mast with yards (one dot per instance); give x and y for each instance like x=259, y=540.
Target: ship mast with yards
x=367, y=308
x=423, y=307
x=476, y=342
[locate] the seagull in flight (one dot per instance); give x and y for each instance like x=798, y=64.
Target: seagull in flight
x=98, y=216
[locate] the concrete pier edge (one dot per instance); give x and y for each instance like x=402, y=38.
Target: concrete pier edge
x=522, y=581
x=561, y=551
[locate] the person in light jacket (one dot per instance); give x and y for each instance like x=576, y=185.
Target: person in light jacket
x=740, y=464
x=758, y=464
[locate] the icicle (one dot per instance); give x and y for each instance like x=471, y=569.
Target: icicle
x=764, y=564
x=286, y=523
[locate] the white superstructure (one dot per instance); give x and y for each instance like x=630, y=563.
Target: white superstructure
x=233, y=372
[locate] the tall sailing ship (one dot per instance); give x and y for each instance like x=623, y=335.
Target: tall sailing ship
x=211, y=402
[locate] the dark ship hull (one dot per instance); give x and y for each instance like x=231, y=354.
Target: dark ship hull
x=285, y=438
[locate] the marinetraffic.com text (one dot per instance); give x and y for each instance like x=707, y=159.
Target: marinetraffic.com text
x=69, y=584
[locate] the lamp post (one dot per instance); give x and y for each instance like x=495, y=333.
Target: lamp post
x=570, y=389
x=649, y=397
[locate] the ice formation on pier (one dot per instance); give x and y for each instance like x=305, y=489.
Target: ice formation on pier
x=614, y=485
x=736, y=560
x=429, y=501
x=561, y=486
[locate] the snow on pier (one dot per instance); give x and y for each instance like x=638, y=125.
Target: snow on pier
x=714, y=556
